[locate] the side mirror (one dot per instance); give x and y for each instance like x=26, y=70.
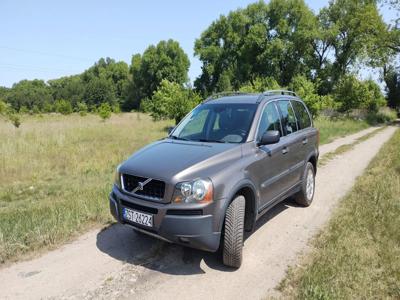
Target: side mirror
x=170, y=129
x=270, y=137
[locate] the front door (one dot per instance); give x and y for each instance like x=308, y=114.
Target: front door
x=272, y=165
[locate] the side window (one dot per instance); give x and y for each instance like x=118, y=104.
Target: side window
x=302, y=114
x=288, y=117
x=269, y=120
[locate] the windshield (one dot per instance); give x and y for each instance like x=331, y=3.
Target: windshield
x=218, y=123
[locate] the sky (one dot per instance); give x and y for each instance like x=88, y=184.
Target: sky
x=49, y=39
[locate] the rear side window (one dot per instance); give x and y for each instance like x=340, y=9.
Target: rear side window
x=302, y=115
x=269, y=120
x=289, y=123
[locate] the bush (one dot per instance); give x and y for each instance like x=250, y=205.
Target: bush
x=15, y=119
x=82, y=108
x=63, y=107
x=35, y=110
x=374, y=99
x=3, y=108
x=383, y=115
x=170, y=101
x=23, y=110
x=104, y=111
x=352, y=93
x=48, y=107
x=116, y=109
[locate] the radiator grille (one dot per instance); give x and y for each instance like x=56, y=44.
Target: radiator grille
x=153, y=189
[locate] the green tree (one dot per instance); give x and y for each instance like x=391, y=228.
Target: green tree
x=259, y=85
x=166, y=60
x=116, y=73
x=355, y=31
x=104, y=111
x=29, y=93
x=171, y=101
x=262, y=40
x=3, y=92
x=392, y=79
x=70, y=88
x=99, y=90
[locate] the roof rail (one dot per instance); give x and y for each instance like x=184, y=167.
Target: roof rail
x=279, y=92
x=222, y=94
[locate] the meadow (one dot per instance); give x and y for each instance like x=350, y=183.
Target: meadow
x=56, y=172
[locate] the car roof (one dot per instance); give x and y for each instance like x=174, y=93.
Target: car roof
x=250, y=98
x=243, y=99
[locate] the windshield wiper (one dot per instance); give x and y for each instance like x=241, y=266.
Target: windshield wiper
x=211, y=141
x=174, y=137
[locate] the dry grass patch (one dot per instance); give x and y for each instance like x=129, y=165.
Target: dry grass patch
x=56, y=172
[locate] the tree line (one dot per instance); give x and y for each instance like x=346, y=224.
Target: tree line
x=282, y=43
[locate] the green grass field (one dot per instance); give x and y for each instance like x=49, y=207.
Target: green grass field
x=56, y=172
x=358, y=255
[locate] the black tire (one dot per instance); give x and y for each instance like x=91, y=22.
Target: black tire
x=234, y=229
x=302, y=198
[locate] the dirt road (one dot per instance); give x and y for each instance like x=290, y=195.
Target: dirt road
x=118, y=263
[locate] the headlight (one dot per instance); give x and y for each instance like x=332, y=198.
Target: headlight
x=117, y=178
x=197, y=191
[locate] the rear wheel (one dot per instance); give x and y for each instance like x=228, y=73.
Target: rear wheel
x=233, y=237
x=306, y=195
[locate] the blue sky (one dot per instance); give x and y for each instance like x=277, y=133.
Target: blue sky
x=50, y=39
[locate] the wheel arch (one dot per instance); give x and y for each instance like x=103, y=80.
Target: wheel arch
x=246, y=189
x=313, y=159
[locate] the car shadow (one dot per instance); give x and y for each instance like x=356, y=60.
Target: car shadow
x=124, y=244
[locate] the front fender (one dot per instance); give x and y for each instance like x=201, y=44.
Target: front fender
x=235, y=188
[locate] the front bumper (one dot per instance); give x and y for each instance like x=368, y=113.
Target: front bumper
x=192, y=225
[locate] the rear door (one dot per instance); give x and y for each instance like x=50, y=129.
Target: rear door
x=292, y=144
x=305, y=132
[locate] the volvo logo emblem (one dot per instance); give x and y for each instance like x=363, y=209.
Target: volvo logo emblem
x=141, y=185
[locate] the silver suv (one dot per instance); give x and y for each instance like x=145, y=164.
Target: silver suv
x=229, y=161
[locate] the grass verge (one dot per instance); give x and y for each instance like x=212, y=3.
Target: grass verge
x=331, y=128
x=346, y=147
x=357, y=255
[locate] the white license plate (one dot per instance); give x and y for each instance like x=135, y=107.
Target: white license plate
x=138, y=217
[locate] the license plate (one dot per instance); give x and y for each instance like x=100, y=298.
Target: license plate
x=138, y=217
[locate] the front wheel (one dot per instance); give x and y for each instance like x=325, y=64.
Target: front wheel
x=306, y=195
x=233, y=237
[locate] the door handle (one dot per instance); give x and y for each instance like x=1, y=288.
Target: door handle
x=285, y=150
x=305, y=141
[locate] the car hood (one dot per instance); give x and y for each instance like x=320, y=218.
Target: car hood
x=167, y=158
